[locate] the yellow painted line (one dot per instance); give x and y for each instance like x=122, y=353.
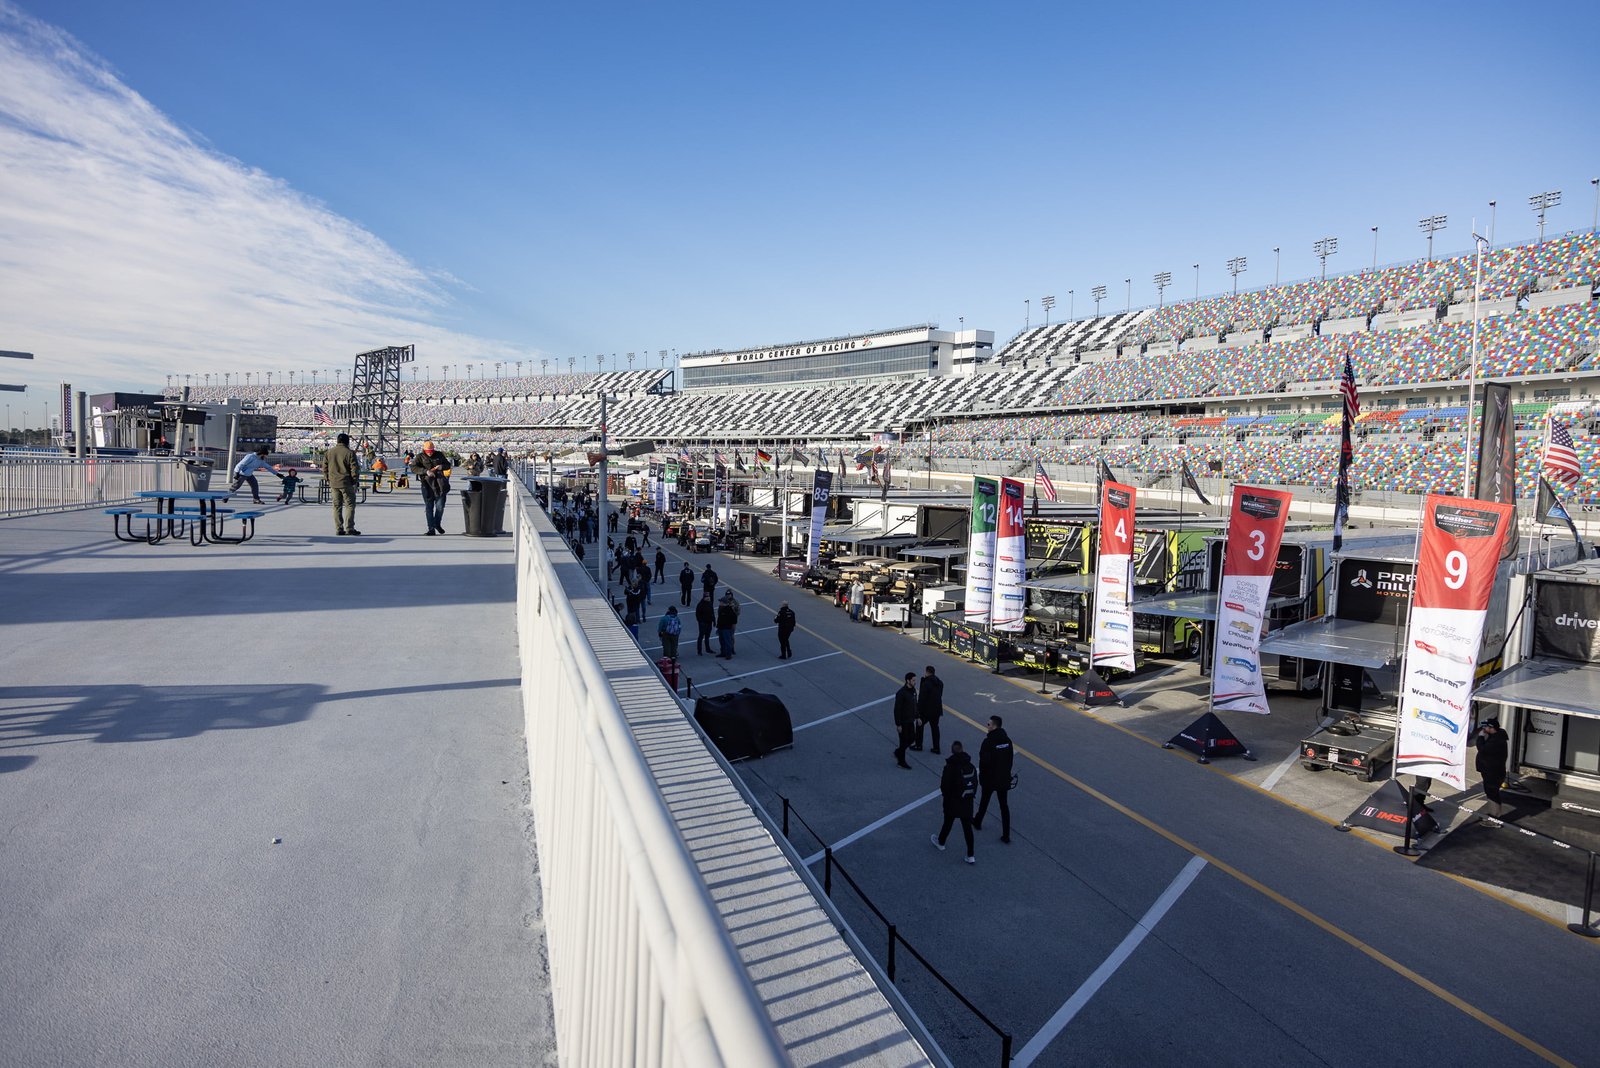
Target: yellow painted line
x=1255, y=884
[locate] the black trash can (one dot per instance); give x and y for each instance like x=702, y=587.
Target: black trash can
x=199, y=471
x=483, y=505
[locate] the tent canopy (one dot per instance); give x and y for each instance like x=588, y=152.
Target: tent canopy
x=1546, y=685
x=1338, y=641
x=1201, y=605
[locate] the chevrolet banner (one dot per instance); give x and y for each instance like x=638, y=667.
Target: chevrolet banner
x=1255, y=530
x=1457, y=558
x=1113, y=618
x=1011, y=559
x=980, y=550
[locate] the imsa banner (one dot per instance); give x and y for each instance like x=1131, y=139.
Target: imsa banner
x=821, y=490
x=980, y=550
x=1113, y=618
x=1011, y=559
x=1255, y=531
x=1457, y=557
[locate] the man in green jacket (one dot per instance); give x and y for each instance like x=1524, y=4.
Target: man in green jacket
x=340, y=468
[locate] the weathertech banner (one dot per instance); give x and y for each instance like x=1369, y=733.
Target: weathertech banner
x=1255, y=530
x=821, y=490
x=1113, y=619
x=1011, y=559
x=980, y=550
x=1457, y=557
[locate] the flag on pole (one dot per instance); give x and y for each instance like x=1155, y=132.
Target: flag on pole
x=1352, y=408
x=1104, y=472
x=885, y=494
x=796, y=456
x=840, y=453
x=1041, y=481
x=722, y=461
x=1561, y=455
x=738, y=463
x=1552, y=511
x=763, y=458
x=1192, y=482
x=320, y=414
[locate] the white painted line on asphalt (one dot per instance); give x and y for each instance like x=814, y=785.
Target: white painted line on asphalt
x=1277, y=772
x=752, y=630
x=1108, y=967
x=846, y=712
x=869, y=828
x=763, y=671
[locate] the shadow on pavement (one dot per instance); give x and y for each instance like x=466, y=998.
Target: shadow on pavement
x=33, y=715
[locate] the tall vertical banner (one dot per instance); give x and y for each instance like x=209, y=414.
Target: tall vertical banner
x=980, y=550
x=1497, y=456
x=1255, y=530
x=1457, y=557
x=821, y=490
x=1011, y=559
x=1113, y=617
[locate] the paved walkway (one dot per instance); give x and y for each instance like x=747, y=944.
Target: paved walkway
x=265, y=804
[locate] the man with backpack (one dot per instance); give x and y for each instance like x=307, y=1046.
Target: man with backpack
x=958, y=785
x=669, y=629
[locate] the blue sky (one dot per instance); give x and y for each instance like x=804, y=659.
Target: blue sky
x=189, y=187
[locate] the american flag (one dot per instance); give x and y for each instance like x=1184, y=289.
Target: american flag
x=321, y=415
x=1561, y=456
x=1347, y=387
x=1041, y=481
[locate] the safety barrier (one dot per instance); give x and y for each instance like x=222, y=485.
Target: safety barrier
x=32, y=484
x=642, y=969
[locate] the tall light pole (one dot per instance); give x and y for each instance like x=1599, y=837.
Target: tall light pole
x=630, y=361
x=600, y=361
x=572, y=364
x=1163, y=279
x=1541, y=203
x=1472, y=373
x=1375, y=250
x=1047, y=303
x=1072, y=304
x=1099, y=295
x=1493, y=207
x=1237, y=266
x=1594, y=224
x=1325, y=247
x=544, y=366
x=1430, y=225
x=1197, y=281
x=1277, y=262
x=1027, y=313
x=1129, y=283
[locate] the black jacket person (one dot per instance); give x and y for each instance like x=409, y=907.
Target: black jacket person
x=905, y=717
x=705, y=615
x=994, y=773
x=930, y=706
x=956, y=786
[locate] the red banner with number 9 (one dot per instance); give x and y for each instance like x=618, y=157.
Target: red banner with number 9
x=1460, y=552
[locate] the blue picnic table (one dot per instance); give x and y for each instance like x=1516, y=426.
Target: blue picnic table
x=196, y=514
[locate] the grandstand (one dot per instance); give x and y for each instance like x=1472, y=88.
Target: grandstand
x=1241, y=386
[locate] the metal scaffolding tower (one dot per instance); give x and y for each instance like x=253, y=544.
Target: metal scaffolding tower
x=373, y=414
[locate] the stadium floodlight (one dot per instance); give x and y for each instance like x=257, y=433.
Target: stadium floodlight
x=600, y=361
x=1237, y=266
x=519, y=368
x=1163, y=279
x=630, y=361
x=497, y=368
x=661, y=357
x=1541, y=203
x=1072, y=304
x=572, y=364
x=469, y=370
x=1324, y=247
x=1099, y=295
x=544, y=366
x=1047, y=303
x=1375, y=250
x=1027, y=312
x=1431, y=224
x=1595, y=224
x=1277, y=262
x=1197, y=281
x=1129, y=283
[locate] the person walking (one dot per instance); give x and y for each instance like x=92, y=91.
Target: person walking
x=727, y=620
x=994, y=774
x=708, y=581
x=245, y=471
x=432, y=469
x=858, y=597
x=661, y=565
x=670, y=627
x=786, y=622
x=957, y=786
x=686, y=584
x=930, y=706
x=341, y=469
x=705, y=615
x=1492, y=746
x=905, y=717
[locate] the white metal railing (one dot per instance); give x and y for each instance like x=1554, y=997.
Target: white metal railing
x=31, y=483
x=642, y=970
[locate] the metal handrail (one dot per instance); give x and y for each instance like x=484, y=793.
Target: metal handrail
x=640, y=959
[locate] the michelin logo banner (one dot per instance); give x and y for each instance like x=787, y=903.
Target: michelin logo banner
x=1255, y=530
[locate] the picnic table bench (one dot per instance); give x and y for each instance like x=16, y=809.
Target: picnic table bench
x=201, y=520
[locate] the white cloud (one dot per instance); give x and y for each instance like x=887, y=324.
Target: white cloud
x=129, y=252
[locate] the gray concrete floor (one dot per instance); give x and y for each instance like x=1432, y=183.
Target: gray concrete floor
x=265, y=804
x=1290, y=944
